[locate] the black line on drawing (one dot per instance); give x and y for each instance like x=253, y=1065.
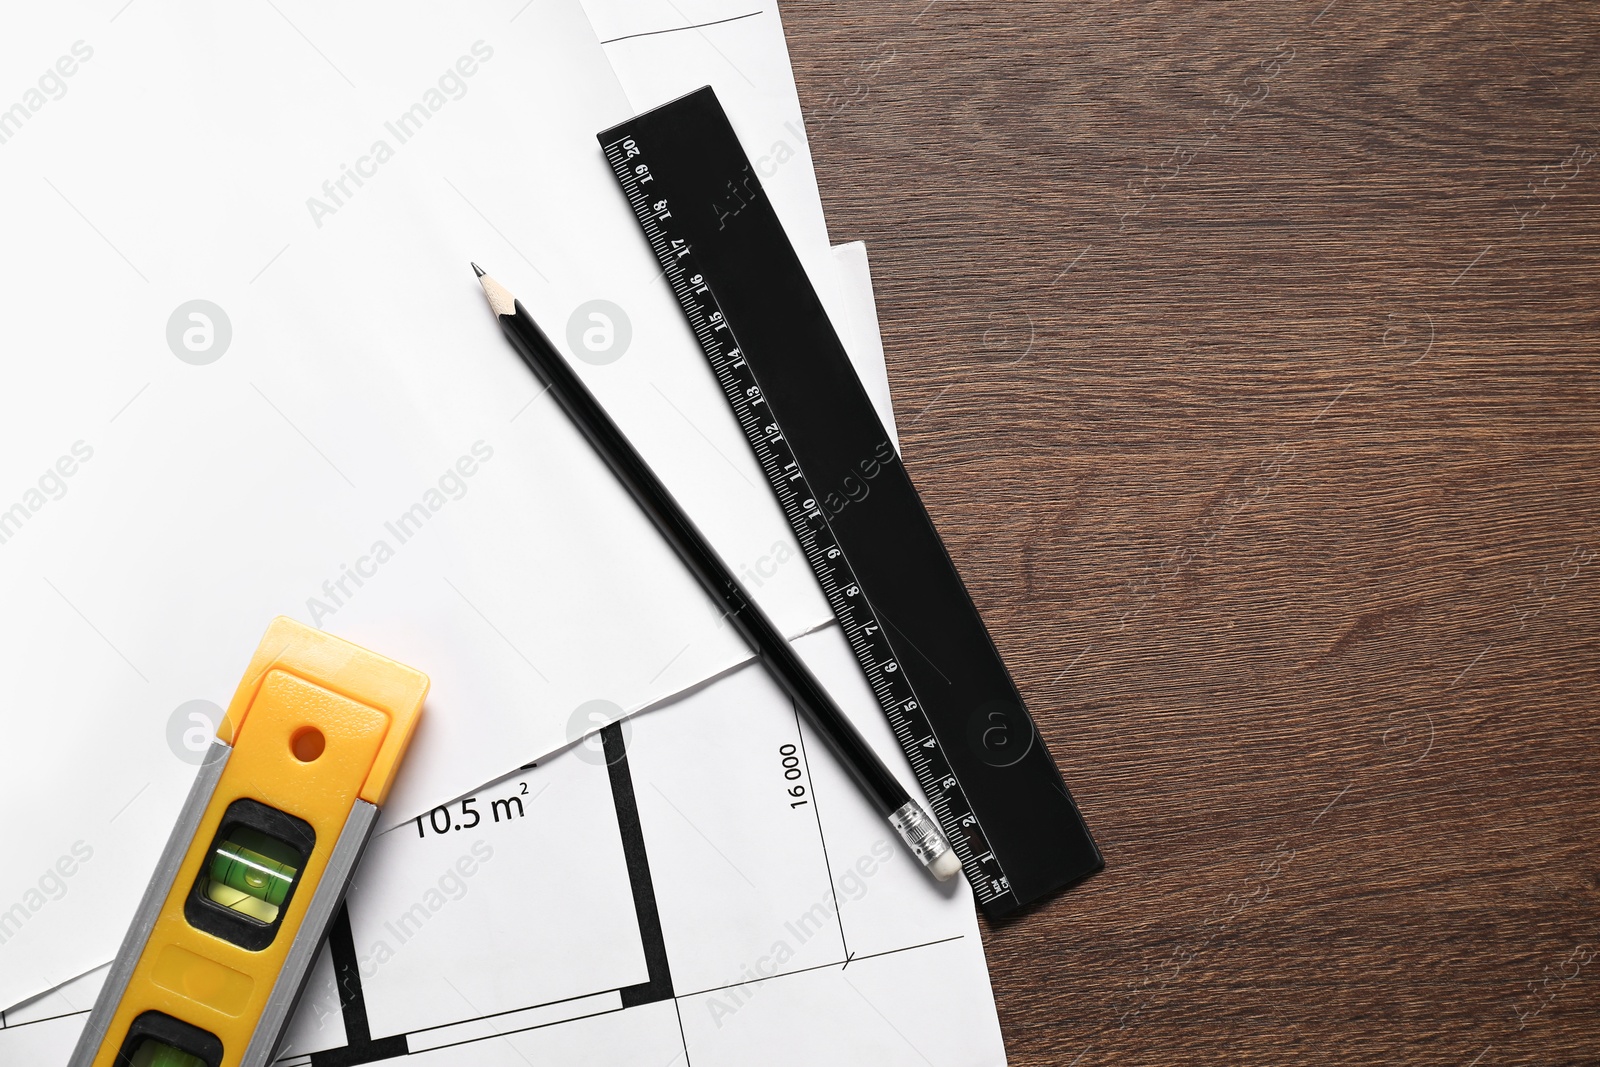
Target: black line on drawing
x=347, y=976
x=359, y=1046
x=12, y=1024
x=819, y=967
x=522, y=1029
x=350, y=1055
x=827, y=864
x=658, y=987
x=681, y=1037
x=511, y=1011
x=659, y=984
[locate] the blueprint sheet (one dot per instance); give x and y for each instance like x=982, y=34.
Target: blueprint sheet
x=698, y=884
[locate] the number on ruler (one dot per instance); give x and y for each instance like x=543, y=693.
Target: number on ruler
x=810, y=526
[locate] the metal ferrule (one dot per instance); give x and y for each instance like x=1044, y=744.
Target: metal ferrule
x=920, y=833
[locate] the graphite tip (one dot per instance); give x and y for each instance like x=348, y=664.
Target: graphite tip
x=477, y=270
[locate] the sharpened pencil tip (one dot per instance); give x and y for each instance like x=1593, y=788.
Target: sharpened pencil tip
x=500, y=301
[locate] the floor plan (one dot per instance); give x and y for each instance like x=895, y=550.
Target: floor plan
x=699, y=883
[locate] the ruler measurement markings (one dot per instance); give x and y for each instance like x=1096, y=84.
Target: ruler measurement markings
x=788, y=483
x=938, y=799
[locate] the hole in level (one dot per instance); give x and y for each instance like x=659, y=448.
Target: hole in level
x=307, y=744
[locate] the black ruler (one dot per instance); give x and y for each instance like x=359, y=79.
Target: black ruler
x=925, y=652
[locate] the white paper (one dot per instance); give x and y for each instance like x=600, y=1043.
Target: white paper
x=468, y=934
x=732, y=877
x=185, y=158
x=860, y=313
x=794, y=933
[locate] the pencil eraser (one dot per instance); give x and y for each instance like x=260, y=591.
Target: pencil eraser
x=946, y=866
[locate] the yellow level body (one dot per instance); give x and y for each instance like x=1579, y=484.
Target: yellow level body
x=259, y=862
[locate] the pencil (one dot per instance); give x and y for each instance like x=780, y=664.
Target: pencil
x=920, y=833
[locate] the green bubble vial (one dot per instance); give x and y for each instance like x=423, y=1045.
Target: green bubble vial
x=153, y=1053
x=251, y=873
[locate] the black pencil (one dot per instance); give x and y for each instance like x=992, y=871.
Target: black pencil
x=920, y=833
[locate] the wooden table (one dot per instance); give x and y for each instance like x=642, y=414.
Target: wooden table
x=1245, y=356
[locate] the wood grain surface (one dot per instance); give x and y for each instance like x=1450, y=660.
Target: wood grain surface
x=1245, y=354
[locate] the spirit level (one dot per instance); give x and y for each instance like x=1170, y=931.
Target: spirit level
x=913, y=628
x=286, y=799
